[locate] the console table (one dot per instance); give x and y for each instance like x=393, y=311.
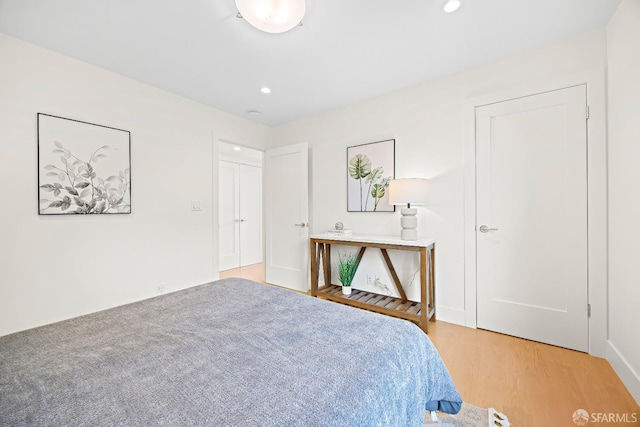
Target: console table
x=418, y=312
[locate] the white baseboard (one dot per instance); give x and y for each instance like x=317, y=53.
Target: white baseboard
x=450, y=315
x=629, y=377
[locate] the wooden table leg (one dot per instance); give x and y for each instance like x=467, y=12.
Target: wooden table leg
x=314, y=255
x=423, y=291
x=326, y=266
x=432, y=283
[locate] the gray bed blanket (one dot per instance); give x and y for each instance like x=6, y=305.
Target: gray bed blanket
x=227, y=353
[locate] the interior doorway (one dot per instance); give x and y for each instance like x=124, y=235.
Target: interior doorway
x=240, y=208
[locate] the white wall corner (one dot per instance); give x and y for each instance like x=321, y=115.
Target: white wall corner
x=597, y=209
x=469, y=225
x=625, y=371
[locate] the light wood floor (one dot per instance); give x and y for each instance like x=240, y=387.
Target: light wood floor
x=253, y=272
x=534, y=384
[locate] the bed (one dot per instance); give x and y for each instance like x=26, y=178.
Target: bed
x=226, y=353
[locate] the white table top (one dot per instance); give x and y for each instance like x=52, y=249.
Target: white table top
x=368, y=238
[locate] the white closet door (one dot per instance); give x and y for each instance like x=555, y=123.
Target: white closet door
x=250, y=215
x=229, y=203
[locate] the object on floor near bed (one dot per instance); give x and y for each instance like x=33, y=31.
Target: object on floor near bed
x=469, y=416
x=232, y=352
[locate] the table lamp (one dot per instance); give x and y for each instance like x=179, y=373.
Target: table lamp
x=408, y=191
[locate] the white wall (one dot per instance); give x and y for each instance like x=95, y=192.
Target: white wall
x=428, y=123
x=56, y=267
x=623, y=41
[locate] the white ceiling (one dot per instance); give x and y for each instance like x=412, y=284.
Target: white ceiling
x=346, y=50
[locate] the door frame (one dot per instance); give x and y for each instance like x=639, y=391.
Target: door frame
x=596, y=194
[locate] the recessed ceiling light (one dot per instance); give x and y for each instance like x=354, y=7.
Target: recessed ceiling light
x=451, y=5
x=237, y=148
x=265, y=90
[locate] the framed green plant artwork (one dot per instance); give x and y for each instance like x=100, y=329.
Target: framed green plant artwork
x=83, y=168
x=370, y=167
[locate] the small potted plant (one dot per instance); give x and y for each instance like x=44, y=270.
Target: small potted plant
x=347, y=266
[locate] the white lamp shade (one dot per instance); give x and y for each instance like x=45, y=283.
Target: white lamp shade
x=272, y=16
x=408, y=191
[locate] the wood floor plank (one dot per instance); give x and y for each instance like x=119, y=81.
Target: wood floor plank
x=534, y=384
x=253, y=272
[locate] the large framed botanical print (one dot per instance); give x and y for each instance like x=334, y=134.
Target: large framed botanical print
x=83, y=168
x=370, y=167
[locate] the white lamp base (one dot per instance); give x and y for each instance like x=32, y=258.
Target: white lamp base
x=409, y=224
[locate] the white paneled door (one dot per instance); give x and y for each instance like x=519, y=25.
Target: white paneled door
x=240, y=215
x=287, y=216
x=250, y=215
x=531, y=217
x=229, y=203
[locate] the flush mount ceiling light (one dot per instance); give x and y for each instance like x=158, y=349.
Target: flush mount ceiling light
x=272, y=16
x=451, y=5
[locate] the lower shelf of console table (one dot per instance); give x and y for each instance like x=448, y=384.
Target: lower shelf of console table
x=396, y=307
x=418, y=312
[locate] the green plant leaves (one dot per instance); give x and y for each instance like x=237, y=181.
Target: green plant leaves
x=359, y=166
x=377, y=191
x=347, y=266
x=375, y=174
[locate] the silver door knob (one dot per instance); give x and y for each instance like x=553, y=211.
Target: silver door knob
x=485, y=229
x=301, y=224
